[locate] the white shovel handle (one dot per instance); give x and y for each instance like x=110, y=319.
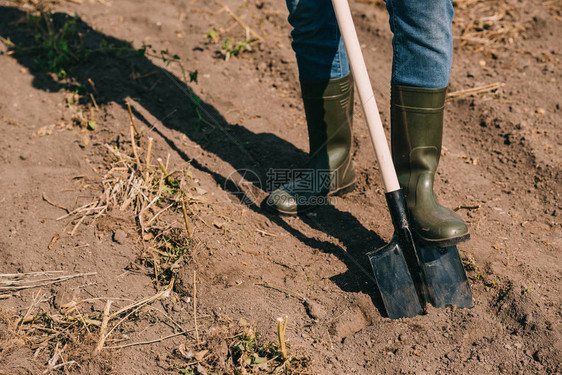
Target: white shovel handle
x=366, y=95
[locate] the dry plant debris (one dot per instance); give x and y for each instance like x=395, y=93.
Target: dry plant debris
x=490, y=23
x=235, y=44
x=132, y=182
x=66, y=334
x=245, y=353
x=474, y=91
x=12, y=282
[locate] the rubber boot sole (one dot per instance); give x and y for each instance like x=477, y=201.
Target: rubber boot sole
x=441, y=242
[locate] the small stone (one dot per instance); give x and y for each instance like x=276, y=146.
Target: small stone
x=120, y=236
x=451, y=356
x=85, y=141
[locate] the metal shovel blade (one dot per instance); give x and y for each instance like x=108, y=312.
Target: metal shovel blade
x=445, y=279
x=395, y=283
x=409, y=273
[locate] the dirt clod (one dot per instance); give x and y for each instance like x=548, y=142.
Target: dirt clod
x=348, y=323
x=315, y=310
x=120, y=236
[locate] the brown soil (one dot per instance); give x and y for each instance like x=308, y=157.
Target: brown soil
x=500, y=167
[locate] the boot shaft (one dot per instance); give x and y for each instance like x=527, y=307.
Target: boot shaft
x=329, y=114
x=329, y=111
x=416, y=131
x=416, y=135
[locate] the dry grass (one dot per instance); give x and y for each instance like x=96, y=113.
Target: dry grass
x=475, y=91
x=488, y=26
x=70, y=333
x=490, y=23
x=13, y=282
x=135, y=184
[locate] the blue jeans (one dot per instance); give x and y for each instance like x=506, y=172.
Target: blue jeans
x=422, y=42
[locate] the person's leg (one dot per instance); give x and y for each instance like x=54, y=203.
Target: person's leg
x=327, y=92
x=422, y=42
x=421, y=69
x=317, y=41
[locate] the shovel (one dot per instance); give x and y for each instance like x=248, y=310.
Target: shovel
x=409, y=274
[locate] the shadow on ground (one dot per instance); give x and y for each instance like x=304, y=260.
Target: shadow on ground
x=232, y=143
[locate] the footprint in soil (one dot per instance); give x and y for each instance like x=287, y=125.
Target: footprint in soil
x=239, y=147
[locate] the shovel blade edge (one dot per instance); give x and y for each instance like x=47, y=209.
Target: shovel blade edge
x=395, y=283
x=446, y=281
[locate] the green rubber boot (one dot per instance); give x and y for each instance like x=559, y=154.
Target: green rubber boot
x=416, y=134
x=329, y=112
